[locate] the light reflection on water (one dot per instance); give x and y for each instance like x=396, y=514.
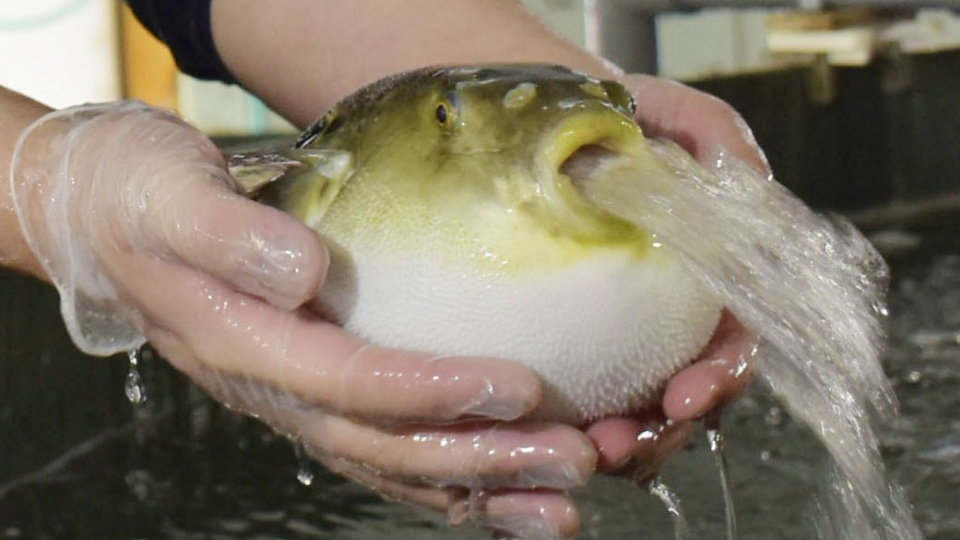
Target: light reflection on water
x=80, y=462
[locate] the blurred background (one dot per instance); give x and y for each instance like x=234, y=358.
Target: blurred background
x=857, y=105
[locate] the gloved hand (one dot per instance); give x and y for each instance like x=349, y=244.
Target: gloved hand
x=136, y=222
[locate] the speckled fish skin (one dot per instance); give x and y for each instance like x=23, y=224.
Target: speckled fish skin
x=449, y=200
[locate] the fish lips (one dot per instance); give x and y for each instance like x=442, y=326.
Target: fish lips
x=583, y=140
x=589, y=137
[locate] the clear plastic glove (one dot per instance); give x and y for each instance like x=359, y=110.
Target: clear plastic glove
x=135, y=220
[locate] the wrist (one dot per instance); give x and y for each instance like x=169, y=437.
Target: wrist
x=19, y=113
x=359, y=45
x=68, y=209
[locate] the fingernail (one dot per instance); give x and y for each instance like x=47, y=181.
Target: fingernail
x=283, y=271
x=497, y=404
x=552, y=475
x=263, y=275
x=484, y=387
x=505, y=399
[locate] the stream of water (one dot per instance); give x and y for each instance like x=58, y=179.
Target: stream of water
x=811, y=287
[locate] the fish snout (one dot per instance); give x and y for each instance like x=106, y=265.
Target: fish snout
x=592, y=142
x=589, y=135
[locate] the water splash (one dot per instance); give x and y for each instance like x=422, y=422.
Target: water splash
x=716, y=442
x=681, y=530
x=133, y=386
x=811, y=287
x=305, y=471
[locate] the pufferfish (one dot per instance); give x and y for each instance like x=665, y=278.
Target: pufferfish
x=451, y=202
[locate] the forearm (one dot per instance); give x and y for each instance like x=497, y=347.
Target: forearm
x=16, y=114
x=301, y=56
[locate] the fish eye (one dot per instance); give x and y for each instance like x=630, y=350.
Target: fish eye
x=442, y=114
x=445, y=112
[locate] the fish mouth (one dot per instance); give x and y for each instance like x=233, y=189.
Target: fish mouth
x=586, y=145
x=586, y=162
x=590, y=137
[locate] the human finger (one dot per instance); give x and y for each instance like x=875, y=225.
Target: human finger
x=319, y=362
x=722, y=372
x=534, y=515
x=526, y=514
x=441, y=499
x=471, y=454
x=256, y=249
x=637, y=446
x=702, y=124
x=177, y=199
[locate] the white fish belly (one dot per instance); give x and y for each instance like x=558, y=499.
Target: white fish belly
x=604, y=333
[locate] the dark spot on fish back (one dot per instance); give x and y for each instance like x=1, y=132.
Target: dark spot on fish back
x=311, y=133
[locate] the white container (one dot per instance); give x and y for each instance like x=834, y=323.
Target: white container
x=60, y=52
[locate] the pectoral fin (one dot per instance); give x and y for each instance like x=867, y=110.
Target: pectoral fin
x=253, y=171
x=302, y=182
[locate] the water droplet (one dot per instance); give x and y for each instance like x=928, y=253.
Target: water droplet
x=305, y=474
x=133, y=384
x=681, y=531
x=720, y=160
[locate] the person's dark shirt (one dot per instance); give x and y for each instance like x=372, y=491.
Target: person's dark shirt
x=184, y=26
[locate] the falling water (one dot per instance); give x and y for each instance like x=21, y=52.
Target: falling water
x=305, y=473
x=681, y=531
x=811, y=287
x=133, y=386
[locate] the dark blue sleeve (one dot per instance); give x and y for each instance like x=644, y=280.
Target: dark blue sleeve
x=184, y=26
